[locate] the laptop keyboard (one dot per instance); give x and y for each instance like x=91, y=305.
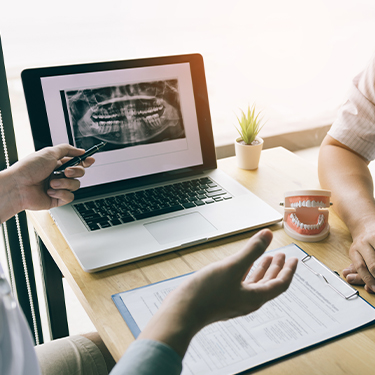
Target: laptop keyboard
x=124, y=208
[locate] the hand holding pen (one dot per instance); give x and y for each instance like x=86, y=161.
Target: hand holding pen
x=32, y=186
x=78, y=159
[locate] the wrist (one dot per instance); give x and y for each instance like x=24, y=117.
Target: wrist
x=174, y=324
x=10, y=202
x=362, y=224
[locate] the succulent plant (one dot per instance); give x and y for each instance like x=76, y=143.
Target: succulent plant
x=250, y=125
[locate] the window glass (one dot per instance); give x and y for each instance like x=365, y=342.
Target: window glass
x=293, y=58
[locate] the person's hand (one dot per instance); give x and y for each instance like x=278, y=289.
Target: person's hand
x=346, y=173
x=362, y=254
x=219, y=292
x=37, y=188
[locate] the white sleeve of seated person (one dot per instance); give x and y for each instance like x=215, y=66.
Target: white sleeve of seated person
x=355, y=125
x=17, y=355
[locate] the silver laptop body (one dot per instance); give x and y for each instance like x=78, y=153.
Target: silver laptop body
x=154, y=115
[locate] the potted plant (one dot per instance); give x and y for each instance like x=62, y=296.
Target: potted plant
x=249, y=145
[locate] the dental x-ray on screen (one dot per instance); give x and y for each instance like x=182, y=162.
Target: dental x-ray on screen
x=124, y=115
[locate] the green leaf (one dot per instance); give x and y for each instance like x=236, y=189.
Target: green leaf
x=250, y=124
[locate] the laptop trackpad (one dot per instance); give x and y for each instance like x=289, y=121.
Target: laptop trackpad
x=180, y=228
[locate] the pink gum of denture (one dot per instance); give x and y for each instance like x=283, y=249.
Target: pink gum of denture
x=306, y=214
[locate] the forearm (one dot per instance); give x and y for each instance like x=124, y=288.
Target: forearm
x=346, y=174
x=174, y=324
x=10, y=204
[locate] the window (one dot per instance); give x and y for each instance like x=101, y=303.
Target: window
x=293, y=58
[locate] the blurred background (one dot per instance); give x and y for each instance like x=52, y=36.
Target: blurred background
x=294, y=58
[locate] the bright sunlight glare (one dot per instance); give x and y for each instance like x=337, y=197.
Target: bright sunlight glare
x=294, y=58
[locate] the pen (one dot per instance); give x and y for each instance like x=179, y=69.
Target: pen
x=77, y=159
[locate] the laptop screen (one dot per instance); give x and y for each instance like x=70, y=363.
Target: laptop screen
x=149, y=111
x=146, y=115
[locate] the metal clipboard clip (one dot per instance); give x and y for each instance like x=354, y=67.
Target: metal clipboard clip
x=308, y=257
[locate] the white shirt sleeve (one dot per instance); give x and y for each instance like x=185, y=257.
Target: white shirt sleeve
x=148, y=357
x=17, y=354
x=355, y=125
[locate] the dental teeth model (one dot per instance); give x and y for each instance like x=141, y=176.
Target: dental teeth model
x=306, y=214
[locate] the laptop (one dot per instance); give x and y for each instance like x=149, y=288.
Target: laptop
x=154, y=116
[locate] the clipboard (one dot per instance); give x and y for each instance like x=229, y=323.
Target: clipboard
x=318, y=306
x=352, y=292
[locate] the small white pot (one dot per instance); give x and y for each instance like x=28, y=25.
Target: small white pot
x=248, y=155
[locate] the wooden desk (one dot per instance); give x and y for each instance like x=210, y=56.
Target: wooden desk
x=279, y=171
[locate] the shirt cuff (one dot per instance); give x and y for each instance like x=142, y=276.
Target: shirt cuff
x=146, y=357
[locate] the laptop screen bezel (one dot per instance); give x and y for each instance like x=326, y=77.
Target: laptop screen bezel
x=32, y=78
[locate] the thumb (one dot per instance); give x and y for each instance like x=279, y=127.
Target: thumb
x=253, y=249
x=63, y=150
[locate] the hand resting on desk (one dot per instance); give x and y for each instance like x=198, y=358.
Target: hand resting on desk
x=219, y=292
x=346, y=174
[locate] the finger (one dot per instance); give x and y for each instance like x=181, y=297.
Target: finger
x=276, y=266
x=74, y=172
x=60, y=197
x=361, y=267
x=253, y=249
x=88, y=162
x=63, y=150
x=348, y=270
x=65, y=184
x=274, y=287
x=354, y=278
x=369, y=290
x=260, y=270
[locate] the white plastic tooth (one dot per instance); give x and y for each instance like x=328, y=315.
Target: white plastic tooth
x=308, y=227
x=308, y=203
x=303, y=204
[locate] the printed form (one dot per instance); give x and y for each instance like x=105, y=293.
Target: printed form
x=312, y=310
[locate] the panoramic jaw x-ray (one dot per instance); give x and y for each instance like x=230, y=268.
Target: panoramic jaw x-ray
x=306, y=214
x=125, y=115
